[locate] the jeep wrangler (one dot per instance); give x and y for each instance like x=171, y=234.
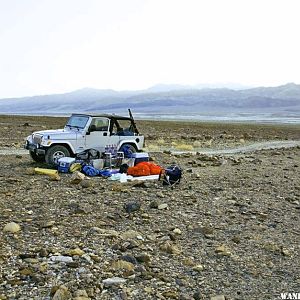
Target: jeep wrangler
x=82, y=132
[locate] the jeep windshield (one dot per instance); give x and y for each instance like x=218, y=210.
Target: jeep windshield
x=78, y=122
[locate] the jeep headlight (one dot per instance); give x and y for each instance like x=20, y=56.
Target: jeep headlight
x=37, y=139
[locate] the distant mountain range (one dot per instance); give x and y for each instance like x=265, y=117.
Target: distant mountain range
x=163, y=99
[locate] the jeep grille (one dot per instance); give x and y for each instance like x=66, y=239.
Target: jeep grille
x=37, y=139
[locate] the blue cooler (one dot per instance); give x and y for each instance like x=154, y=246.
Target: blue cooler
x=140, y=157
x=65, y=163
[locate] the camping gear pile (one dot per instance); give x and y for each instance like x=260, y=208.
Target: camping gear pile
x=120, y=167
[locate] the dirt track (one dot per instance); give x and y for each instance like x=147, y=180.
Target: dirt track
x=242, y=149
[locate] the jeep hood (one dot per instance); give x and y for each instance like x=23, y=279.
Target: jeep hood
x=58, y=134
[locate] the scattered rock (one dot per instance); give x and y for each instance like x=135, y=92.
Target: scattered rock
x=130, y=234
x=170, y=294
x=81, y=295
x=86, y=183
x=76, y=251
x=72, y=264
x=285, y=252
x=62, y=293
x=162, y=206
x=188, y=262
x=272, y=247
x=77, y=177
x=140, y=184
x=143, y=258
x=222, y=251
x=26, y=272
x=54, y=177
x=30, y=171
x=60, y=258
x=160, y=195
x=132, y=206
x=122, y=264
x=113, y=281
x=177, y=231
x=109, y=233
x=48, y=224
x=154, y=204
x=27, y=255
x=44, y=252
x=218, y=297
x=76, y=208
x=198, y=268
x=12, y=227
x=236, y=239
x=197, y=295
x=170, y=248
x=129, y=258
x=31, y=260
x=205, y=230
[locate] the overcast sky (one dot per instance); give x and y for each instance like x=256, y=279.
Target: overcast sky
x=51, y=46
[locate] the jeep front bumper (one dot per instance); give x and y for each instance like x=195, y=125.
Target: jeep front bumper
x=35, y=148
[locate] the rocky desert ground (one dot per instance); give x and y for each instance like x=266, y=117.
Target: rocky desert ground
x=230, y=230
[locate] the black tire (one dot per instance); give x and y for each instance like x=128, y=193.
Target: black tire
x=55, y=153
x=37, y=157
x=128, y=149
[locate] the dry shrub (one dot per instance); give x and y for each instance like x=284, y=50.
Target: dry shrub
x=197, y=144
x=160, y=141
x=208, y=143
x=151, y=147
x=185, y=147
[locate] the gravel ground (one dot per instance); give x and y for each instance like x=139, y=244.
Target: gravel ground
x=230, y=230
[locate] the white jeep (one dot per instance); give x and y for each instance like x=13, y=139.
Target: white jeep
x=82, y=132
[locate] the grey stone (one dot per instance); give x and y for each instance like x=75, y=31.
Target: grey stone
x=113, y=281
x=61, y=258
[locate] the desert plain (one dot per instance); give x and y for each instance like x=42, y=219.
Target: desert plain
x=229, y=230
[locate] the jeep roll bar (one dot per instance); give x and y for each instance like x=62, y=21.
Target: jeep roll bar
x=133, y=122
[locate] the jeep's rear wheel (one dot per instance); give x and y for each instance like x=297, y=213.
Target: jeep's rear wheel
x=128, y=149
x=37, y=157
x=55, y=153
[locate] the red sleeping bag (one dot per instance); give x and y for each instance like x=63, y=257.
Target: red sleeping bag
x=144, y=169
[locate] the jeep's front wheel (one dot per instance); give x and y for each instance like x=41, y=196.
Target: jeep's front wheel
x=55, y=153
x=37, y=157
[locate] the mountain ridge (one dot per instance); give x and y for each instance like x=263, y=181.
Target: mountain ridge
x=184, y=100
